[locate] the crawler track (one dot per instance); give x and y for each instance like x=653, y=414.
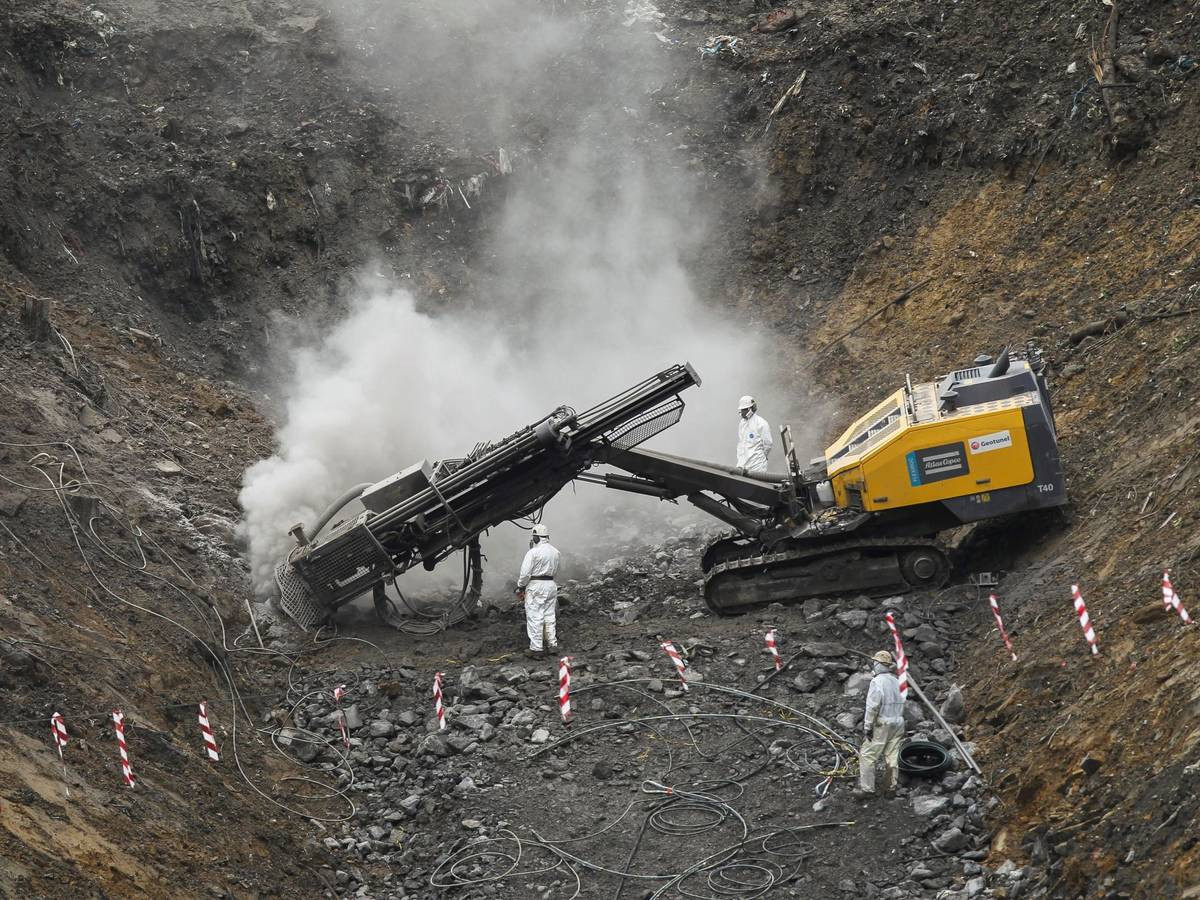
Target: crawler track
x=741, y=575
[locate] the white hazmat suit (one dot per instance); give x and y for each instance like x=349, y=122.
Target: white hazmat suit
x=541, y=594
x=883, y=723
x=754, y=443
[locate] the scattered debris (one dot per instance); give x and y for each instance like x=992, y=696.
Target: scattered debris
x=1102, y=326
x=642, y=11
x=1091, y=764
x=435, y=194
x=35, y=319
x=779, y=19
x=145, y=338
x=721, y=43
x=167, y=467
x=1127, y=133
x=792, y=91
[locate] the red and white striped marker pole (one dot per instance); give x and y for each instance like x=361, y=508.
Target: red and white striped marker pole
x=437, y=701
x=901, y=659
x=58, y=729
x=564, y=688
x=1084, y=622
x=1171, y=599
x=774, y=650
x=1000, y=624
x=675, y=658
x=210, y=742
x=126, y=768
x=341, y=716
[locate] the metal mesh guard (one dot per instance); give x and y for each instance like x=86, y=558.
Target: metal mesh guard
x=296, y=599
x=647, y=425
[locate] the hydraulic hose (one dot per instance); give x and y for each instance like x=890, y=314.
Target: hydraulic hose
x=335, y=507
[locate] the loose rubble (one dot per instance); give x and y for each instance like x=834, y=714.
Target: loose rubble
x=500, y=767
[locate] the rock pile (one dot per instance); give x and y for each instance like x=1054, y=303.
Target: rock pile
x=419, y=793
x=646, y=582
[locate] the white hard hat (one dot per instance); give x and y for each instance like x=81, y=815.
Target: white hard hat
x=541, y=531
x=746, y=402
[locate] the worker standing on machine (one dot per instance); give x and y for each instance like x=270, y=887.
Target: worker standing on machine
x=754, y=437
x=537, y=588
x=883, y=727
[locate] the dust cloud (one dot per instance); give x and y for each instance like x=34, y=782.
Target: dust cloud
x=586, y=291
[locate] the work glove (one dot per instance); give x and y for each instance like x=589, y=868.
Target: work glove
x=521, y=594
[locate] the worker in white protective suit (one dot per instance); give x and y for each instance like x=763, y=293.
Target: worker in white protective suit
x=537, y=588
x=883, y=727
x=754, y=437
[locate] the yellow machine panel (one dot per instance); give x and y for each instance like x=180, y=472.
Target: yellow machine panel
x=941, y=460
x=890, y=458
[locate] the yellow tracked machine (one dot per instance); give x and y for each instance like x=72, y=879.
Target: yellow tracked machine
x=977, y=443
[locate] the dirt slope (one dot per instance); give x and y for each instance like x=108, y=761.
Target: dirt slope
x=1093, y=259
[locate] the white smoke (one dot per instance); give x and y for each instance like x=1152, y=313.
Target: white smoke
x=587, y=293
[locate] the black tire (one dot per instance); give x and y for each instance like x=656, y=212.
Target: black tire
x=923, y=759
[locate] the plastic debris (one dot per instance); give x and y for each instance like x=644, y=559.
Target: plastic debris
x=792, y=91
x=1185, y=65
x=721, y=43
x=501, y=162
x=435, y=193
x=473, y=186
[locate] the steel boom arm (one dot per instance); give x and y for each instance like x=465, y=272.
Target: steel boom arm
x=749, y=501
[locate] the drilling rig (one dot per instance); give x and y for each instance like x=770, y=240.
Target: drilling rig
x=977, y=443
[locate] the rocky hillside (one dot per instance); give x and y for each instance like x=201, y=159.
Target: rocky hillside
x=894, y=188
